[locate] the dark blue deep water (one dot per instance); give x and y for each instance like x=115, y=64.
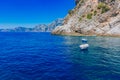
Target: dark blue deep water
x=42, y=56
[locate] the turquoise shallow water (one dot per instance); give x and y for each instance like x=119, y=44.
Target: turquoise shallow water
x=42, y=56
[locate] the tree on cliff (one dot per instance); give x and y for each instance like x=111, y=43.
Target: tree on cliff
x=77, y=1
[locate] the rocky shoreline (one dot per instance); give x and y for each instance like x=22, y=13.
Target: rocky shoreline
x=92, y=17
x=77, y=34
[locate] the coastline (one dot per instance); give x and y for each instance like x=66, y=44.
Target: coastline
x=77, y=34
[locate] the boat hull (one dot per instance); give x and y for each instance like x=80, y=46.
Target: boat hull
x=84, y=46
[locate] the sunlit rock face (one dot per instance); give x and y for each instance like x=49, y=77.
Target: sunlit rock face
x=92, y=17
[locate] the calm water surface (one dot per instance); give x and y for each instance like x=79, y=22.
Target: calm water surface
x=42, y=56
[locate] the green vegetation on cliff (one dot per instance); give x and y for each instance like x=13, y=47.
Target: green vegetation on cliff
x=104, y=7
x=92, y=17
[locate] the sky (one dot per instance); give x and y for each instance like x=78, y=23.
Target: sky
x=28, y=13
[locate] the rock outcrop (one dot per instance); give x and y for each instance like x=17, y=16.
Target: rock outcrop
x=92, y=17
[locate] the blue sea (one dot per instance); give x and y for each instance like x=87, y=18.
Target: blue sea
x=42, y=56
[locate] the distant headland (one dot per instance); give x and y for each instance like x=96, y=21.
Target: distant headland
x=38, y=28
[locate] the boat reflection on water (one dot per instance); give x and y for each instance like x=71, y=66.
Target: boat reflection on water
x=84, y=51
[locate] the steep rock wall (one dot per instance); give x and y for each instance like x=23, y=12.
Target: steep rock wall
x=92, y=17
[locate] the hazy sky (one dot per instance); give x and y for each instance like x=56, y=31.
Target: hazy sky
x=28, y=13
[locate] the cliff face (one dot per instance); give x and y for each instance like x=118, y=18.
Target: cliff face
x=38, y=28
x=92, y=17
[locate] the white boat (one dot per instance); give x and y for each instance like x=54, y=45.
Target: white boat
x=84, y=44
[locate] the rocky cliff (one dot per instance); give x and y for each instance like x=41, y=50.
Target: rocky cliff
x=38, y=28
x=92, y=17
